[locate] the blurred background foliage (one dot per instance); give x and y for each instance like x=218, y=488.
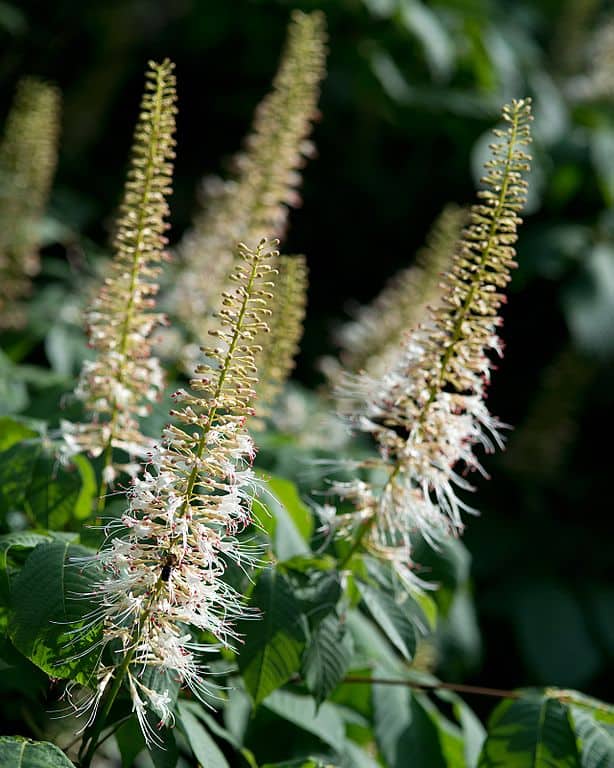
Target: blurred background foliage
x=412, y=89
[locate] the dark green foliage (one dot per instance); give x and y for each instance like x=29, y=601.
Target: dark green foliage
x=22, y=753
x=272, y=650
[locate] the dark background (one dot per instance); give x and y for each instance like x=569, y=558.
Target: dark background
x=412, y=88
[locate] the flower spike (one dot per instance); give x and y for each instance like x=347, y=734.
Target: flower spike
x=371, y=341
x=118, y=385
x=427, y=412
x=281, y=344
x=165, y=566
x=28, y=156
x=255, y=202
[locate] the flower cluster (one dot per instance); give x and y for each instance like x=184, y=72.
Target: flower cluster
x=372, y=339
x=254, y=203
x=124, y=378
x=281, y=344
x=28, y=156
x=428, y=412
x=164, y=568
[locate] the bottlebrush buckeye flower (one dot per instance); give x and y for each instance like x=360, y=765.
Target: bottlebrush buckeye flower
x=281, y=344
x=28, y=156
x=117, y=387
x=427, y=413
x=370, y=341
x=255, y=201
x=164, y=566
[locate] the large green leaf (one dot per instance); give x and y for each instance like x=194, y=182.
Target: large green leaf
x=33, y=482
x=273, y=644
x=393, y=618
x=17, y=752
x=48, y=608
x=531, y=732
x=323, y=722
x=205, y=750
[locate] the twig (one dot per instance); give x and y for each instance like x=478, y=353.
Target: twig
x=478, y=690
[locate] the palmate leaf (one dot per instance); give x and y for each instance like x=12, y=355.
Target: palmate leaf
x=18, y=752
x=273, y=644
x=534, y=731
x=48, y=608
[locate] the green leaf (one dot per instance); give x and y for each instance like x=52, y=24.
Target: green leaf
x=13, y=431
x=405, y=731
x=326, y=658
x=203, y=746
x=391, y=617
x=531, y=732
x=437, y=46
x=32, y=481
x=392, y=718
x=273, y=644
x=285, y=518
x=130, y=741
x=12, y=544
x=355, y=757
x=17, y=752
x=474, y=732
x=300, y=763
x=323, y=722
x=287, y=494
x=212, y=724
x=47, y=611
x=371, y=646
x=318, y=595
x=167, y=754
x=596, y=738
x=13, y=391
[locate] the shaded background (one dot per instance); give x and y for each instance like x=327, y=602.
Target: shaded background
x=412, y=88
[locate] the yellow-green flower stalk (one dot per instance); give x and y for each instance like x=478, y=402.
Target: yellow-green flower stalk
x=117, y=386
x=281, y=344
x=372, y=339
x=255, y=202
x=28, y=157
x=164, y=566
x=428, y=411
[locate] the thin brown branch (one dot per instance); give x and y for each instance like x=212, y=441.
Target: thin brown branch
x=478, y=690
